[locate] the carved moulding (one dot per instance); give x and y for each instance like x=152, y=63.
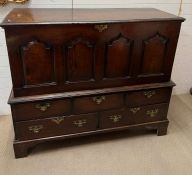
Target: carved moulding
x=4, y=2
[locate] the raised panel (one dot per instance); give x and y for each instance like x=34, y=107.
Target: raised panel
x=153, y=56
x=80, y=60
x=38, y=63
x=118, y=53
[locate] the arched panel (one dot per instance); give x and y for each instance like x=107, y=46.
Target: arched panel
x=38, y=63
x=80, y=60
x=118, y=57
x=153, y=57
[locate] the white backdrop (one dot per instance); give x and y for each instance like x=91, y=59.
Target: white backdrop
x=182, y=69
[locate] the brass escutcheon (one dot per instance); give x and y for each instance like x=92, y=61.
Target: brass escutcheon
x=36, y=128
x=101, y=27
x=42, y=106
x=80, y=123
x=149, y=94
x=153, y=112
x=135, y=110
x=99, y=99
x=57, y=120
x=115, y=118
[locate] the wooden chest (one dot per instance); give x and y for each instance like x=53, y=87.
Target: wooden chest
x=88, y=71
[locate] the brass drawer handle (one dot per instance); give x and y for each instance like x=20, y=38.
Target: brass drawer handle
x=101, y=27
x=153, y=112
x=115, y=118
x=98, y=100
x=135, y=110
x=149, y=94
x=80, y=123
x=42, y=106
x=57, y=120
x=36, y=128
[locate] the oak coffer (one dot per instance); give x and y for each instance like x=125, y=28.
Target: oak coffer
x=86, y=71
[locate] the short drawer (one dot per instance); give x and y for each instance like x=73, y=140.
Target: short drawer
x=42, y=109
x=97, y=103
x=146, y=97
x=149, y=113
x=55, y=126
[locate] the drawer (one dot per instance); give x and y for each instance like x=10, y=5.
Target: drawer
x=97, y=103
x=114, y=118
x=42, y=109
x=149, y=113
x=146, y=97
x=55, y=126
x=131, y=116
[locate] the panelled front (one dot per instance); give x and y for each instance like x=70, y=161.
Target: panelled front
x=41, y=72
x=75, y=57
x=79, y=60
x=120, y=48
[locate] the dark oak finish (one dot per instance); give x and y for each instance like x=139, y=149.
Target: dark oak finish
x=33, y=72
x=22, y=148
x=149, y=113
x=88, y=71
x=29, y=16
x=65, y=49
x=41, y=109
x=97, y=103
x=28, y=130
x=149, y=96
x=18, y=100
x=135, y=115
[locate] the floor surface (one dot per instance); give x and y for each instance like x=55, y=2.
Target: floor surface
x=127, y=153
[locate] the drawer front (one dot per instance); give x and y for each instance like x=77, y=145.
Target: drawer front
x=55, y=126
x=146, y=97
x=97, y=103
x=131, y=116
x=114, y=118
x=149, y=113
x=43, y=109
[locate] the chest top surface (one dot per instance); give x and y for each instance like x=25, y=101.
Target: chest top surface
x=31, y=16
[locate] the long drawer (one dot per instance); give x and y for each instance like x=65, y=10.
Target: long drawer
x=55, y=126
x=135, y=115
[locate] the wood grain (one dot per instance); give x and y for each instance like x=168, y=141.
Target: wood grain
x=89, y=71
x=62, y=16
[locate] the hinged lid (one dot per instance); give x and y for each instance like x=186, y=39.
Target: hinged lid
x=31, y=16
